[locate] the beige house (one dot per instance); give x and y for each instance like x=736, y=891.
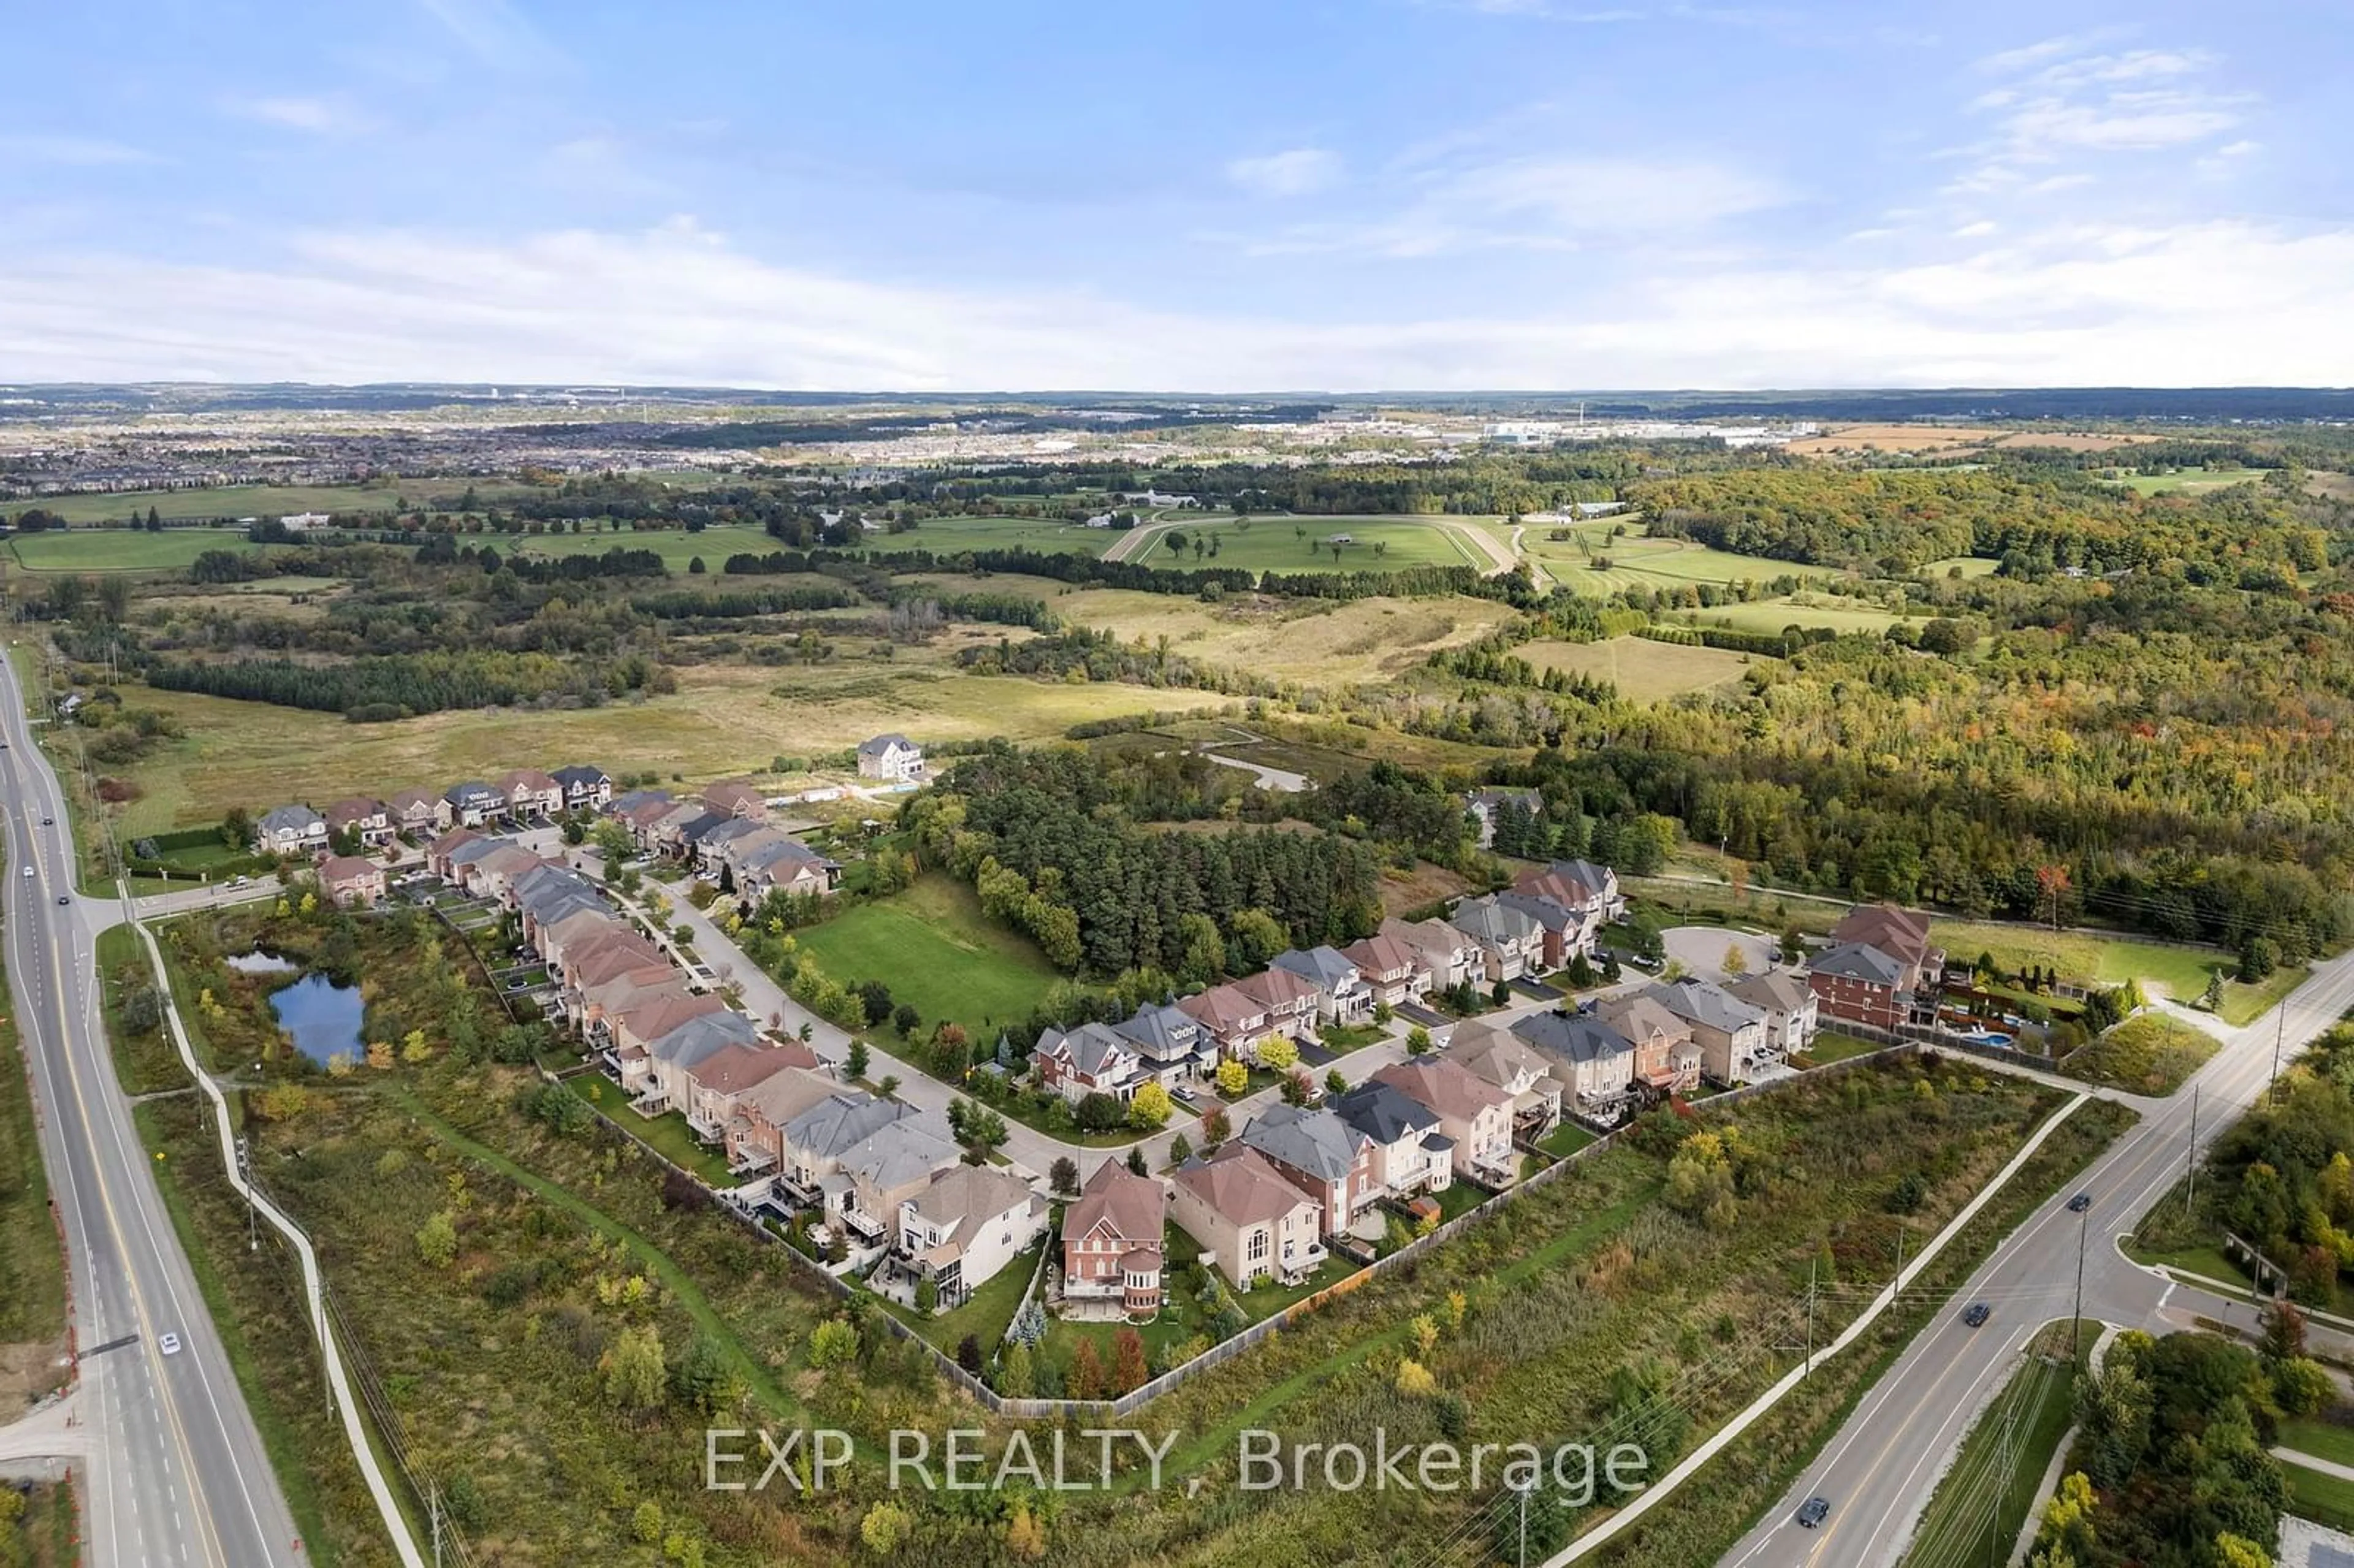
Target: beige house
x=1594, y=1062
x=965, y=1224
x=418, y=812
x=1477, y=1115
x=1731, y=1034
x=1392, y=971
x=736, y=800
x=1251, y=1223
x=1499, y=1057
x=1445, y=954
x=530, y=793
x=1792, y=1009
x=1667, y=1059
x=367, y=818
x=1230, y=1015
x=754, y=1135
x=351, y=879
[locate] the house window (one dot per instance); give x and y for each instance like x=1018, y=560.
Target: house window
x=1257, y=1248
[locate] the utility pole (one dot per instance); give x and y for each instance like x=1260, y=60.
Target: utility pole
x=2076, y=1319
x=2280, y=1032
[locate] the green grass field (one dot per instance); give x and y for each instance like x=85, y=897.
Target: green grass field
x=676, y=546
x=2188, y=481
x=1966, y=565
x=32, y=1271
x=947, y=536
x=1644, y=671
x=1651, y=563
x=2324, y=1500
x=2181, y=973
x=938, y=954
x=122, y=549
x=2148, y=1054
x=1773, y=615
x=1283, y=545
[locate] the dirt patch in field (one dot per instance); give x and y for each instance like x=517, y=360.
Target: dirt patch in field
x=1852, y=439
x=2070, y=441
x=28, y=1372
x=1425, y=885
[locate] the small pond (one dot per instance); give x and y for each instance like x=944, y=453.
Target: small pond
x=260, y=963
x=323, y=1017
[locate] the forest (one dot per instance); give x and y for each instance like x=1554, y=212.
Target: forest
x=1058, y=821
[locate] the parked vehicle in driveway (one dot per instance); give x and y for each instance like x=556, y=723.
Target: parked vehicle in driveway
x=1813, y=1512
x=1978, y=1313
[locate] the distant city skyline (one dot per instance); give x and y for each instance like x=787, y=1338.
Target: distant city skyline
x=1342, y=196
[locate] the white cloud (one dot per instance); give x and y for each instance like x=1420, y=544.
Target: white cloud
x=2212, y=304
x=2063, y=102
x=320, y=116
x=81, y=152
x=493, y=32
x=1301, y=171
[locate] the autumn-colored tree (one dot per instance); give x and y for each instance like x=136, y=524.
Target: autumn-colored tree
x=1233, y=1077
x=1127, y=1367
x=1087, y=1375
x=1278, y=1054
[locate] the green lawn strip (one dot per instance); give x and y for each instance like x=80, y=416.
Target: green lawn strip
x=32, y=1266
x=2244, y=1005
x=1220, y=1439
x=754, y=1374
x=2148, y=1054
x=1566, y=1140
x=2322, y=1439
x=1751, y=1474
x=2325, y=1500
x=2084, y=956
x=667, y=1134
x=148, y=1063
x=2034, y=1407
x=1830, y=1047
x=294, y=1454
x=1342, y=1038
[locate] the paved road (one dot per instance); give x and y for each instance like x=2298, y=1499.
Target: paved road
x=1880, y=1469
x=177, y=1473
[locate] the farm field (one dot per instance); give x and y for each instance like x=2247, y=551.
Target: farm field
x=122, y=549
x=1281, y=544
x=676, y=546
x=276, y=500
x=724, y=719
x=946, y=535
x=1652, y=562
x=1802, y=609
x=2188, y=481
x=1642, y=670
x=1968, y=565
x=938, y=954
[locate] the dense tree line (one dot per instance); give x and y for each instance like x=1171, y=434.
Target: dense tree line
x=384, y=687
x=1052, y=819
x=743, y=604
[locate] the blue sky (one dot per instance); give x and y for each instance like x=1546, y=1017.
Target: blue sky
x=1352, y=195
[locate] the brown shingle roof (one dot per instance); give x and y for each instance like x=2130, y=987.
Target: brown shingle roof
x=1240, y=1186
x=1132, y=1203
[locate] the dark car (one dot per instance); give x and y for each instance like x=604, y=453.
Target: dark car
x=1813, y=1512
x=2080, y=1203
x=64, y=898
x=1978, y=1313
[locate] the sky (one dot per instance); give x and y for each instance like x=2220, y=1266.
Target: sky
x=1344, y=195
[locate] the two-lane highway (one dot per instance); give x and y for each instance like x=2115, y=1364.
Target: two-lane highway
x=1879, y=1470
x=178, y=1474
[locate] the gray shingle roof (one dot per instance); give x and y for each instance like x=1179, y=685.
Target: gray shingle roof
x=1322, y=966
x=1573, y=1037
x=1489, y=921
x=1383, y=1112
x=1315, y=1141
x=1855, y=961
x=292, y=819
x=1713, y=1006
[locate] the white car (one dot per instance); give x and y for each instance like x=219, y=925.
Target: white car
x=28, y=871
x=171, y=1344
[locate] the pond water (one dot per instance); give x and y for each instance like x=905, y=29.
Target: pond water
x=323, y=1017
x=260, y=963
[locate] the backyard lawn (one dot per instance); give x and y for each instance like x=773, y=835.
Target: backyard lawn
x=1829, y=1047
x=2181, y=972
x=984, y=1314
x=938, y=954
x=1566, y=1140
x=667, y=1134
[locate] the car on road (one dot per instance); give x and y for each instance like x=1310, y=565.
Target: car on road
x=64, y=898
x=48, y=822
x=28, y=871
x=2080, y=1203
x=1813, y=1512
x=170, y=1343
x=1978, y=1313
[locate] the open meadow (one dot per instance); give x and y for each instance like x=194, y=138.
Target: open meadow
x=676, y=546
x=274, y=500
x=723, y=720
x=947, y=536
x=122, y=549
x=1643, y=670
x=2187, y=481
x=1773, y=615
x=1286, y=543
x=938, y=953
x=1651, y=563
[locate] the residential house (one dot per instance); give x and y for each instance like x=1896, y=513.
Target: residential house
x=1903, y=935
x=641, y=811
x=1342, y=994
x=1168, y=1042
x=1789, y=1004
x=1499, y=1057
x=440, y=856
x=1731, y=1034
x=755, y=1136
x=1111, y=1240
x=586, y=788
x=1859, y=982
x=1594, y=1062
x=290, y=830
x=529, y=794
x=1251, y=1223
x=368, y=819
x=1234, y=1020
x=351, y=879
x=1291, y=1000
x=672, y=1059
x=770, y=862
x=739, y=801
x=1667, y=1058
x=592, y=1002
x=650, y=1017
x=1092, y=1059
x=1477, y=1115
x=1577, y=885
x=1392, y=971
x=1321, y=1155
x=1486, y=803
x=473, y=803
x=1412, y=1153
x=1510, y=943
x=857, y=1158
x=716, y=1083
x=418, y=812
x=1566, y=932
x=491, y=869
x=891, y=757
x=1447, y=956
x=968, y=1222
